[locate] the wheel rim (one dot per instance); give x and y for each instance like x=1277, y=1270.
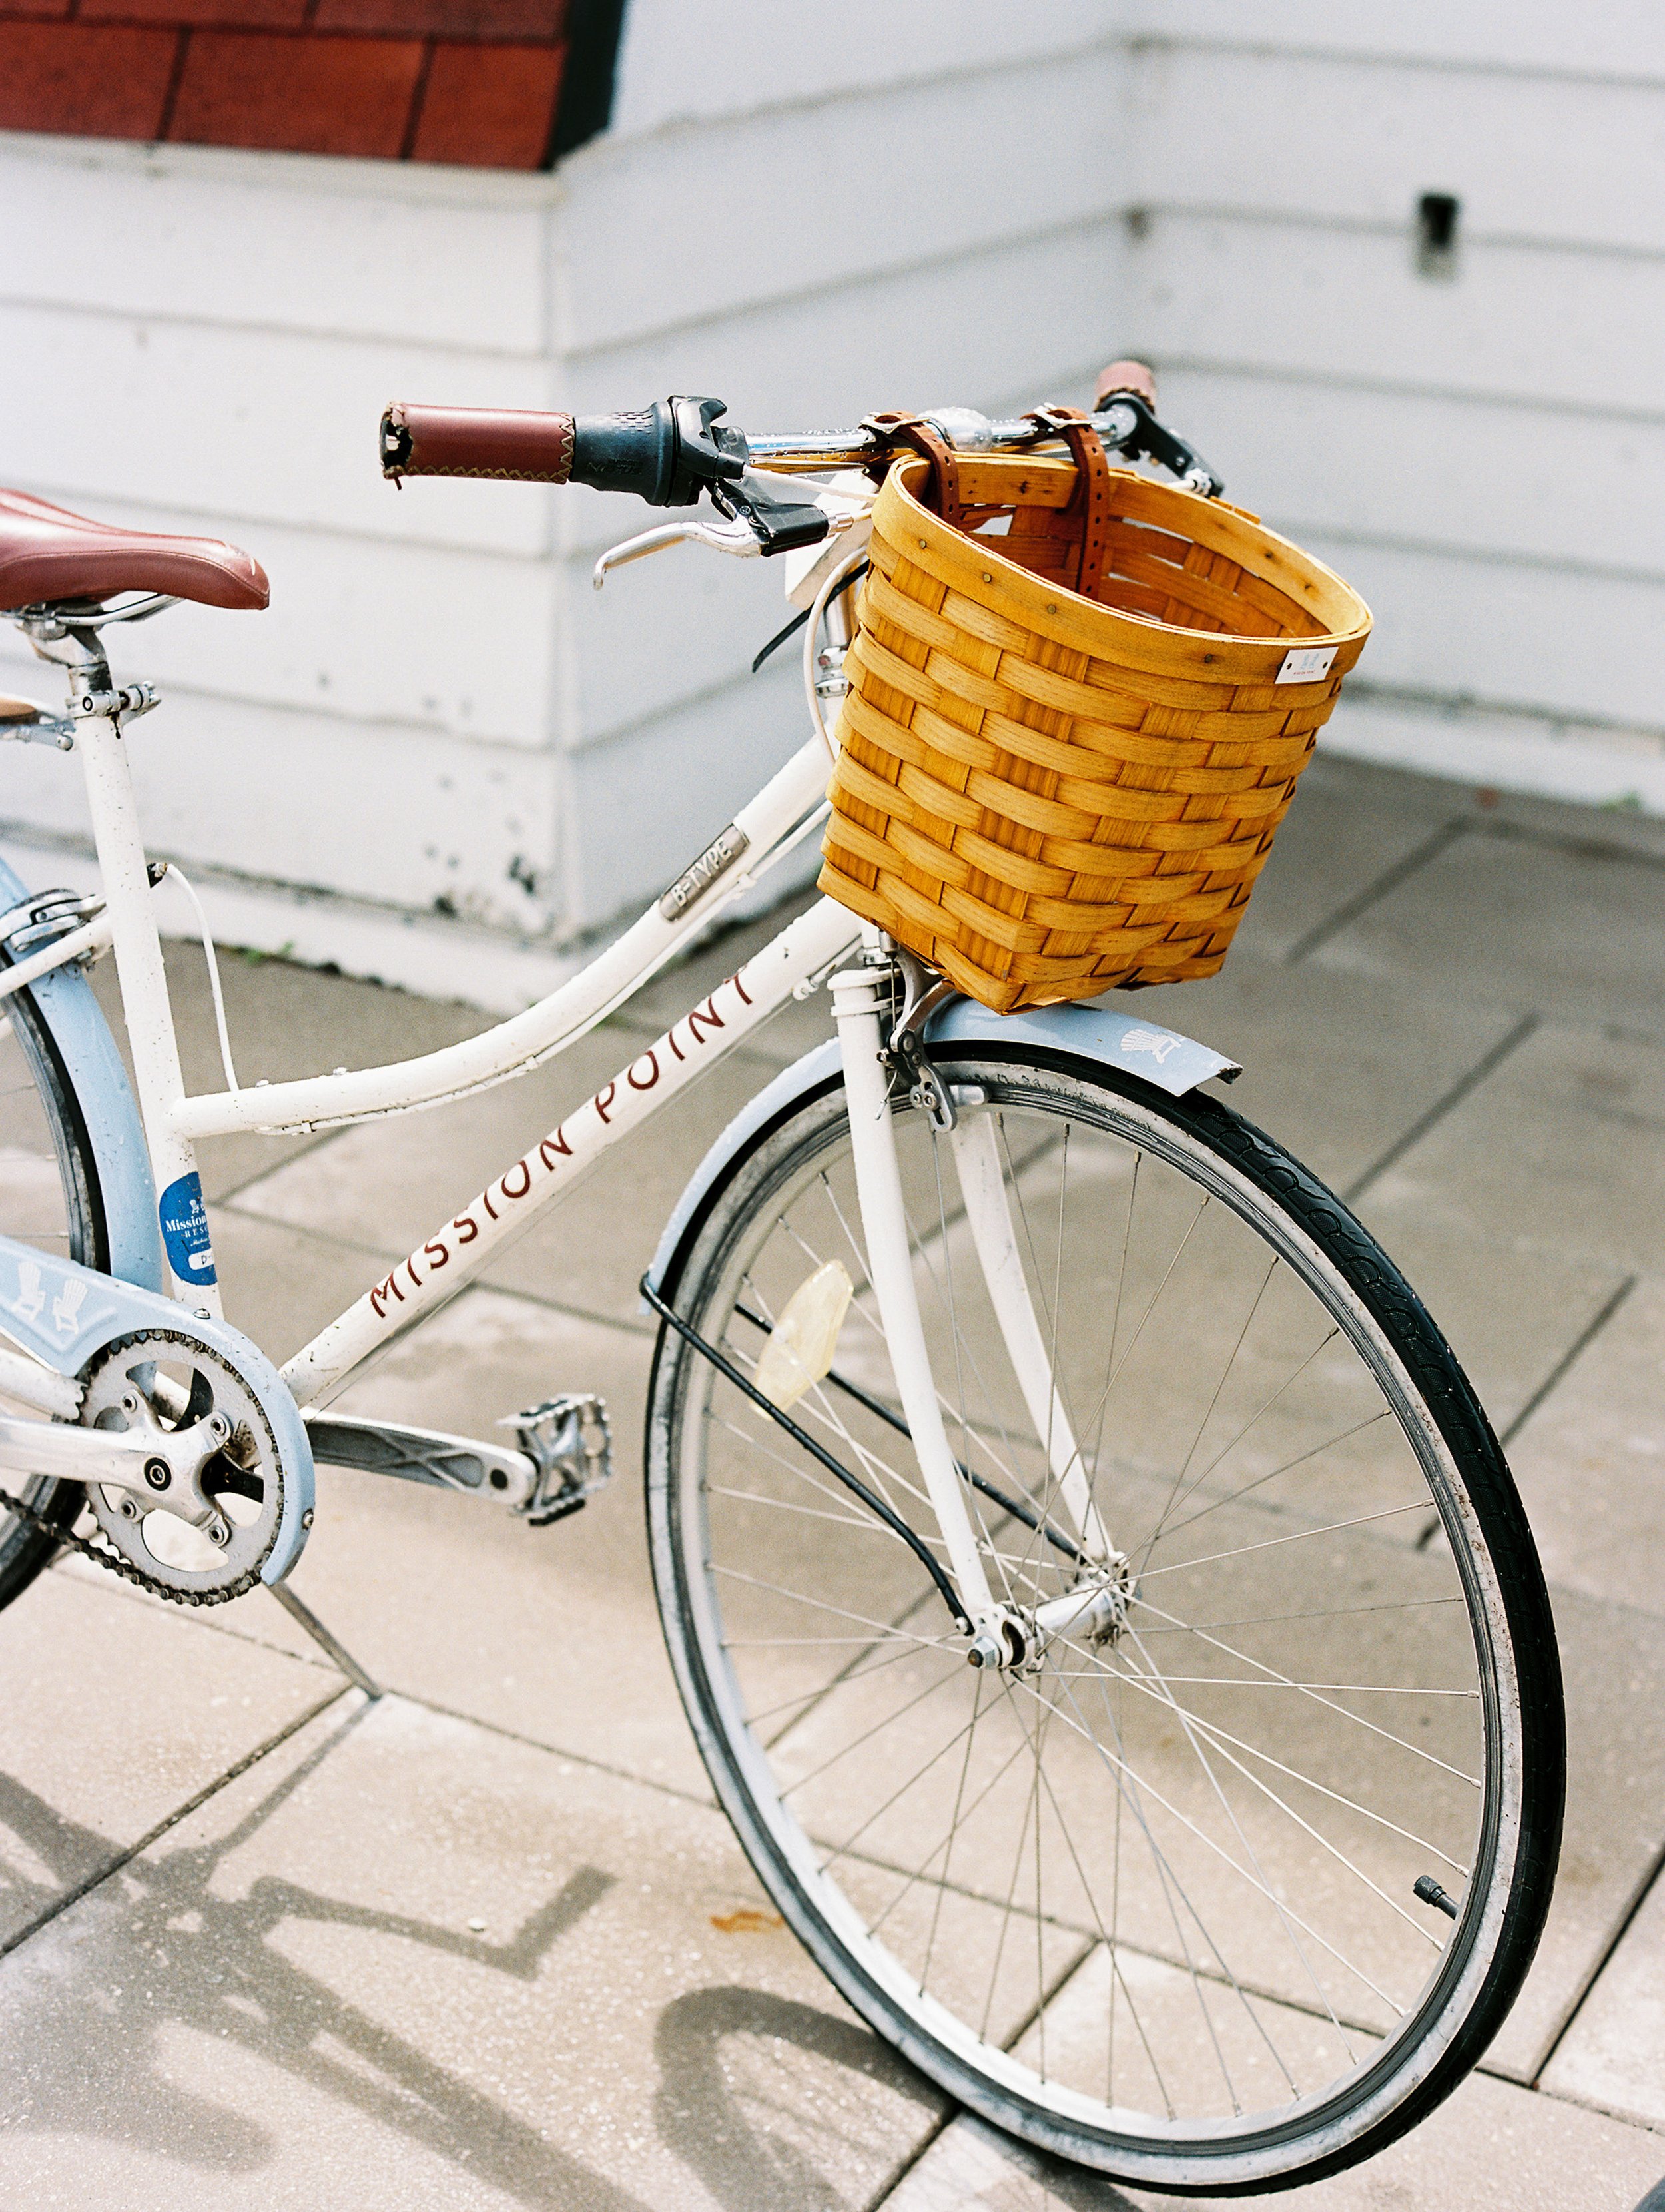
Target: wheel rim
x=1105, y=1984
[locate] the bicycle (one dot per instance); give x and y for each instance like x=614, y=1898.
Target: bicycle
x=1209, y=1856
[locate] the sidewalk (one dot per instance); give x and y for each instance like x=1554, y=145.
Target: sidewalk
x=487, y=1942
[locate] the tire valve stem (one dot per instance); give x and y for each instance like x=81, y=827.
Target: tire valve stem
x=1430, y=1892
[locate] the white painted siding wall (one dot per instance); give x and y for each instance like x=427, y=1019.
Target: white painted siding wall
x=441, y=758
x=1482, y=455
x=438, y=709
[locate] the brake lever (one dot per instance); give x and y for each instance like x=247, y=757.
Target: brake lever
x=1126, y=425
x=736, y=538
x=757, y=526
x=782, y=523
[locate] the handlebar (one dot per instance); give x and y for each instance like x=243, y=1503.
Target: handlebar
x=672, y=452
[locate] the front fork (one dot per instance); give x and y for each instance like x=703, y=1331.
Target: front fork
x=862, y=1001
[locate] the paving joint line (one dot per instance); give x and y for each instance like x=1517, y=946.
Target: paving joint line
x=221, y=1624
x=1656, y=2199
x=315, y=1143
x=1640, y=1896
x=193, y=1804
x=1388, y=880
x=1487, y=1064
x=625, y=1327
x=1580, y=1344
x=899, y=2174
x=1590, y=848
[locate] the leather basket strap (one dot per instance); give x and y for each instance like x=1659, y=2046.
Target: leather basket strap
x=925, y=438
x=1090, y=500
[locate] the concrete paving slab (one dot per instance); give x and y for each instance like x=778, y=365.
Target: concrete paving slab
x=115, y=1715
x=1337, y=1067
x=385, y=1186
x=1562, y=1147
x=552, y=1633
x=1343, y=834
x=1511, y=1315
x=1491, y=2148
x=1513, y=921
x=1612, y=1660
x=282, y=1285
x=1591, y=1462
x=406, y=1962
x=1613, y=2055
x=284, y=1021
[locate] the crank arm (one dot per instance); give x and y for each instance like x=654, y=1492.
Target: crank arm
x=567, y=1455
x=425, y=1455
x=163, y=1466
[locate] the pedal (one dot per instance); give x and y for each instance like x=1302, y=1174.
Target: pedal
x=569, y=1440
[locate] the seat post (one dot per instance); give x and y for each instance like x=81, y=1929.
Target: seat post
x=113, y=807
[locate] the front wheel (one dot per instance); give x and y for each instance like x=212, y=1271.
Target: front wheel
x=1233, y=1881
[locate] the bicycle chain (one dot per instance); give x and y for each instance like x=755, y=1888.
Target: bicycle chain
x=71, y=1541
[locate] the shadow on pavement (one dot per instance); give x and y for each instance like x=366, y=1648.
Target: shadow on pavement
x=193, y=1960
x=734, y=2126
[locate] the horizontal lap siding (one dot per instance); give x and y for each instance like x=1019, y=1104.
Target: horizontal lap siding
x=805, y=296
x=383, y=735
x=280, y=426
x=437, y=706
x=1482, y=453
x=396, y=817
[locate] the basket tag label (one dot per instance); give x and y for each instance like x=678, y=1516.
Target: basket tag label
x=718, y=856
x=1306, y=664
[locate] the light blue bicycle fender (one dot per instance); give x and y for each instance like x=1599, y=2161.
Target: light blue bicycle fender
x=64, y=1315
x=66, y=1003
x=1094, y=1031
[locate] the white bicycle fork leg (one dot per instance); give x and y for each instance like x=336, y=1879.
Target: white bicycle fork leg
x=126, y=885
x=988, y=1216
x=856, y=1006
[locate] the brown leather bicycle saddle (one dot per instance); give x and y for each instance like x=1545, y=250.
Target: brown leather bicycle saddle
x=47, y=554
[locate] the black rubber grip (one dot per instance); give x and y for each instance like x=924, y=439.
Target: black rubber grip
x=636, y=453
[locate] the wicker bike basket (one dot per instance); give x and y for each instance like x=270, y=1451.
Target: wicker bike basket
x=1068, y=740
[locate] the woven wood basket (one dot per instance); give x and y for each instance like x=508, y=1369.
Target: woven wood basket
x=1046, y=793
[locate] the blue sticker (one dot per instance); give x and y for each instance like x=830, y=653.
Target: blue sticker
x=184, y=1231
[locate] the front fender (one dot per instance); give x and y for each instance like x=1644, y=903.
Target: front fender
x=1092, y=1030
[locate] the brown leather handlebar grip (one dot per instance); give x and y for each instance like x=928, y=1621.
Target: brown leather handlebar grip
x=519, y=447
x=1125, y=376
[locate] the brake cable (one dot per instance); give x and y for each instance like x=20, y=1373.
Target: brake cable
x=871, y=1499
x=798, y=620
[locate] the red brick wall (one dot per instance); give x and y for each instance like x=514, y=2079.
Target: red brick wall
x=474, y=82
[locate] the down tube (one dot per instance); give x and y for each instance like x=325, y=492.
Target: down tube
x=459, y=1248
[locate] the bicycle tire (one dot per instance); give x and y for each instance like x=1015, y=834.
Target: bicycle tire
x=1517, y=1721
x=44, y=1120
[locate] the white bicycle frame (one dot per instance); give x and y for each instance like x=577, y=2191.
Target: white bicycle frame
x=805, y=953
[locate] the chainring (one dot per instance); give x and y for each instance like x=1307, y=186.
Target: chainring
x=162, y=1381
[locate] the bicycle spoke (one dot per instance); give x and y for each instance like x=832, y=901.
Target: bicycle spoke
x=1317, y=1697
